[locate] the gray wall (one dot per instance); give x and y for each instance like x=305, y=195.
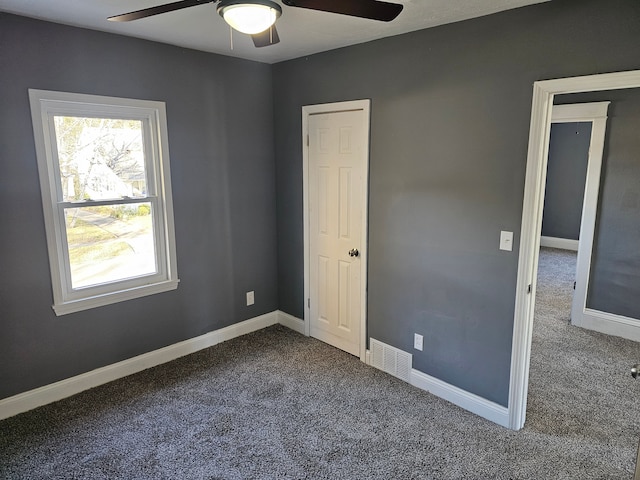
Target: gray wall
x=450, y=120
x=614, y=283
x=566, y=177
x=223, y=188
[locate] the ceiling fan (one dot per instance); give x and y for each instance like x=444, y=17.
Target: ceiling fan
x=257, y=17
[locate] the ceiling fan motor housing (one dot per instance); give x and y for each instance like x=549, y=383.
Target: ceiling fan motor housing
x=249, y=16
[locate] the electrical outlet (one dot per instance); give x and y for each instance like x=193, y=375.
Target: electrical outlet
x=417, y=341
x=251, y=299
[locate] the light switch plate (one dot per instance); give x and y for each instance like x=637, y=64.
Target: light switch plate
x=250, y=298
x=506, y=241
x=417, y=341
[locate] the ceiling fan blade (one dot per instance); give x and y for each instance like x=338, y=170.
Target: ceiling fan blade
x=372, y=9
x=266, y=38
x=149, y=12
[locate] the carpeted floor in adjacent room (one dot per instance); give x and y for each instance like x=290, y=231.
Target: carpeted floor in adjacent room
x=275, y=404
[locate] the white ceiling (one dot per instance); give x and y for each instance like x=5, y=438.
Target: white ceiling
x=302, y=31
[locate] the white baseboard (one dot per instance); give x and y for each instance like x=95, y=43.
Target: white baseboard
x=610, y=324
x=563, y=243
x=289, y=321
x=65, y=388
x=469, y=401
x=463, y=399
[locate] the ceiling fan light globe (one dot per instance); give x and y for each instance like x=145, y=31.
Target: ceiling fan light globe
x=249, y=18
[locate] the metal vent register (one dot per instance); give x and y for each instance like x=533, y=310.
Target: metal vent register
x=391, y=360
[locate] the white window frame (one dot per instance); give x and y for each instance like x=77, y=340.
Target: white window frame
x=44, y=106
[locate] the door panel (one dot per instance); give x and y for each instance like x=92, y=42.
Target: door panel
x=336, y=146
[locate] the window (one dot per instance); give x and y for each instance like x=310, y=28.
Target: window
x=106, y=195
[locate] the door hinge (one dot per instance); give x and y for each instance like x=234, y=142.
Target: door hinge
x=574, y=285
x=308, y=303
x=307, y=140
x=529, y=289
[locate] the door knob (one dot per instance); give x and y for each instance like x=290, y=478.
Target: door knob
x=354, y=252
x=635, y=371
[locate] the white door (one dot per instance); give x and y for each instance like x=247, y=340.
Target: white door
x=337, y=157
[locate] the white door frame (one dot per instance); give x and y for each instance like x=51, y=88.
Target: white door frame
x=596, y=114
x=365, y=106
x=541, y=109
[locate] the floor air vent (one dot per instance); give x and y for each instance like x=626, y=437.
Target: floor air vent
x=391, y=360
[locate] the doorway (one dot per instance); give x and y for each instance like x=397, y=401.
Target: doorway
x=594, y=113
x=542, y=105
x=335, y=193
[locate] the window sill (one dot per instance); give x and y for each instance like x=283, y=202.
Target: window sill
x=72, y=306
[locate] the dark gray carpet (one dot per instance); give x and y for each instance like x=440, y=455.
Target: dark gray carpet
x=275, y=404
x=581, y=392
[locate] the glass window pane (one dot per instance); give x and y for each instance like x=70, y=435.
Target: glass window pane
x=100, y=158
x=110, y=243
